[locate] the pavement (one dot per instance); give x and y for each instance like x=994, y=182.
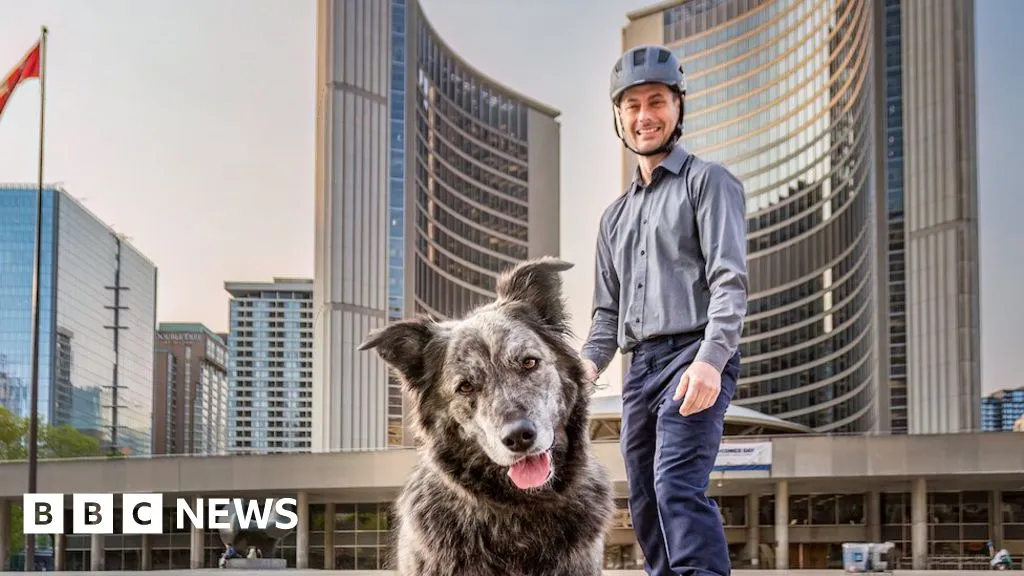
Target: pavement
x=295, y=572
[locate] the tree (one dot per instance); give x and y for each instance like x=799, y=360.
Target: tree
x=54, y=442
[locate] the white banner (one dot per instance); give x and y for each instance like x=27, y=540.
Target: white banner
x=744, y=456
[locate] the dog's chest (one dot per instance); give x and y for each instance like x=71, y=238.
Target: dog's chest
x=486, y=543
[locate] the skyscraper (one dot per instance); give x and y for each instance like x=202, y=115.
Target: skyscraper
x=940, y=175
x=190, y=390
x=857, y=260
x=270, y=376
x=432, y=178
x=97, y=320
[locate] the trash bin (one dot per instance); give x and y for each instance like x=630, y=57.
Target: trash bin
x=867, y=556
x=856, y=556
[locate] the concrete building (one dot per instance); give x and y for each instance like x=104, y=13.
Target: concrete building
x=270, y=374
x=1002, y=409
x=798, y=497
x=97, y=320
x=862, y=199
x=190, y=390
x=432, y=178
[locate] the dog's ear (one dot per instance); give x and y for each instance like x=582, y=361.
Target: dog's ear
x=402, y=345
x=538, y=284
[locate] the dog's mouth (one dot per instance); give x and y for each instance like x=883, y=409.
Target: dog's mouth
x=531, y=471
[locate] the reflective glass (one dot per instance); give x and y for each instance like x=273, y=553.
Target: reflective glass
x=91, y=378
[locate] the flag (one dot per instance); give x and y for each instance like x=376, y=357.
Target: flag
x=27, y=68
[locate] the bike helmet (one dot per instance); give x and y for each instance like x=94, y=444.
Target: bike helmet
x=644, y=65
x=647, y=64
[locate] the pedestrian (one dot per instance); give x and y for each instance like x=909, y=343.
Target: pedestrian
x=670, y=288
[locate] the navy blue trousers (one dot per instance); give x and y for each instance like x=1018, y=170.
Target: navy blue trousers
x=669, y=459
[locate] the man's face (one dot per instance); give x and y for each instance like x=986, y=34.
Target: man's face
x=649, y=114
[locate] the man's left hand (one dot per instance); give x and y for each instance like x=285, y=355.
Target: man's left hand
x=699, y=387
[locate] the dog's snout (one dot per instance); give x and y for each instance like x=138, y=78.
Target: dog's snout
x=519, y=435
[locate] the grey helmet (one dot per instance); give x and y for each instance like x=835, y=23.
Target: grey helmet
x=644, y=65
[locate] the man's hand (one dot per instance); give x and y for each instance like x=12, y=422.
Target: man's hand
x=589, y=371
x=700, y=386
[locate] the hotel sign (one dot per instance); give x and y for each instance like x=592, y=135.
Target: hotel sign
x=181, y=336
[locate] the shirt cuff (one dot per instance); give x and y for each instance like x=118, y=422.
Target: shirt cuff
x=713, y=353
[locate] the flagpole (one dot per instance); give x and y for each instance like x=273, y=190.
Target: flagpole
x=33, y=431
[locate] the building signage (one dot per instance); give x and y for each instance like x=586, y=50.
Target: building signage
x=181, y=336
x=736, y=456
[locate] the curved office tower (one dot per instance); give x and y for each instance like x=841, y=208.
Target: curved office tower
x=781, y=92
x=432, y=178
x=862, y=199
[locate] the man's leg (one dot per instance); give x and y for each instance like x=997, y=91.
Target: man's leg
x=636, y=437
x=686, y=451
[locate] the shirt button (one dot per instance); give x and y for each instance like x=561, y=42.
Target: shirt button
x=640, y=285
x=642, y=252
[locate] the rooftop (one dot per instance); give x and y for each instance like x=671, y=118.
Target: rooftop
x=189, y=327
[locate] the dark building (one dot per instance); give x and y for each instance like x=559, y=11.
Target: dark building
x=190, y=390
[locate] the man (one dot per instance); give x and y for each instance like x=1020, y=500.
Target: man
x=671, y=288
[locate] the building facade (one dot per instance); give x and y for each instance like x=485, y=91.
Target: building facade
x=941, y=214
x=1002, y=409
x=97, y=320
x=807, y=103
x=432, y=178
x=190, y=390
x=795, y=510
x=270, y=373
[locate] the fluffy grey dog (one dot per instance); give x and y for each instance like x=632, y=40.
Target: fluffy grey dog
x=507, y=485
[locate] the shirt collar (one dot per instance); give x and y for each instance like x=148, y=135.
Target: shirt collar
x=672, y=163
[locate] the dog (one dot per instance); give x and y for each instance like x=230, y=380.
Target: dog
x=506, y=484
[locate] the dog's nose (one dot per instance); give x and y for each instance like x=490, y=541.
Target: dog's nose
x=518, y=436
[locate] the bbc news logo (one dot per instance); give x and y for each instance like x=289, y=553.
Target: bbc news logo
x=143, y=513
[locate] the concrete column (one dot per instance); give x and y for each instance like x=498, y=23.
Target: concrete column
x=97, y=553
x=753, y=529
x=5, y=532
x=874, y=515
x=919, y=524
x=196, y=551
x=60, y=552
x=146, y=554
x=995, y=517
x=782, y=525
x=302, y=537
x=329, y=536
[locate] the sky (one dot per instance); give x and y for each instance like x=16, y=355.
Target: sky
x=189, y=126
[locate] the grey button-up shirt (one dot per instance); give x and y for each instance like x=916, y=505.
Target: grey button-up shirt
x=672, y=259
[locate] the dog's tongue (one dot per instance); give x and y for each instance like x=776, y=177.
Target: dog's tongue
x=531, y=471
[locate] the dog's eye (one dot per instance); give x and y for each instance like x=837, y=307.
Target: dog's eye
x=465, y=388
x=530, y=363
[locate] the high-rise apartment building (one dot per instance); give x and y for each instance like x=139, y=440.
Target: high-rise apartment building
x=432, y=178
x=270, y=374
x=190, y=390
x=1002, y=409
x=861, y=203
x=97, y=321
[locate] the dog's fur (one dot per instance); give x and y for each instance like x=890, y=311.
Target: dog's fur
x=465, y=379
